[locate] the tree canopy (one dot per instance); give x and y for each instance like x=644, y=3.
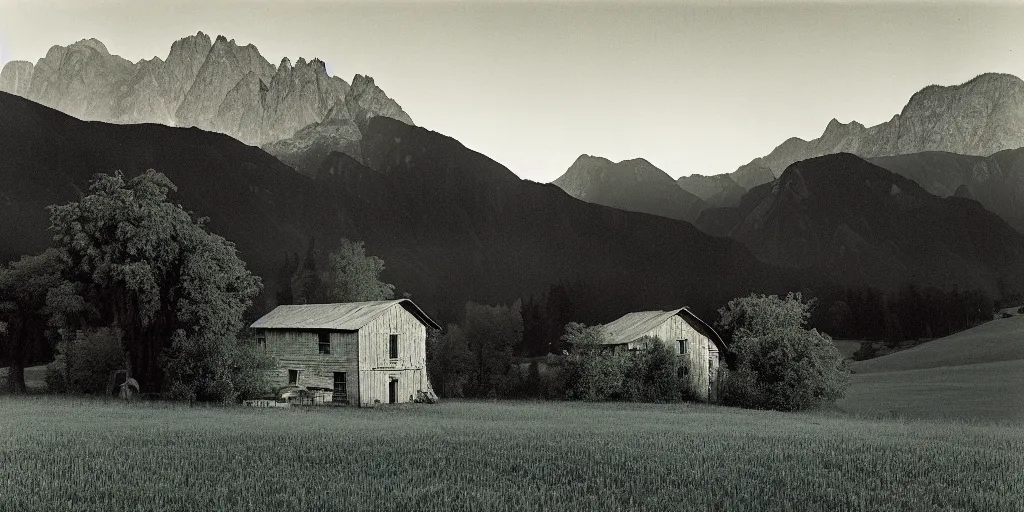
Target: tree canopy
x=353, y=276
x=24, y=286
x=147, y=267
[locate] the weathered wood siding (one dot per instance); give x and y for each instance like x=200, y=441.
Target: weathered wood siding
x=300, y=350
x=698, y=354
x=377, y=368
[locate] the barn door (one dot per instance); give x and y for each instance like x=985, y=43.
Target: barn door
x=393, y=390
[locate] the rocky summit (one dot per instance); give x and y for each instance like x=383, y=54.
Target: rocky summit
x=16, y=77
x=216, y=85
x=341, y=128
x=980, y=117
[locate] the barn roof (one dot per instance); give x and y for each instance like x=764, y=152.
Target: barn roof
x=348, y=316
x=632, y=326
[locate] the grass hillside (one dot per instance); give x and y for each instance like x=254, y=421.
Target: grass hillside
x=999, y=340
x=67, y=454
x=974, y=374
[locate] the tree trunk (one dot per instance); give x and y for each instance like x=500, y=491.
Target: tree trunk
x=15, y=357
x=16, y=377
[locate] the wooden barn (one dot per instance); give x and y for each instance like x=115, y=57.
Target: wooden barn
x=697, y=345
x=362, y=353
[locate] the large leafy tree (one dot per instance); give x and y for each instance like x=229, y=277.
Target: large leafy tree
x=780, y=364
x=353, y=276
x=147, y=267
x=24, y=285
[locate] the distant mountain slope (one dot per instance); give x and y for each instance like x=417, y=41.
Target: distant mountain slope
x=451, y=224
x=214, y=85
x=999, y=340
x=867, y=226
x=996, y=181
x=632, y=185
x=716, y=191
x=979, y=117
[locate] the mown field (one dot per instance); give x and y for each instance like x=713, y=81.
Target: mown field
x=68, y=454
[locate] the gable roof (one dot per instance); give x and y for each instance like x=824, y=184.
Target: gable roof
x=632, y=326
x=348, y=316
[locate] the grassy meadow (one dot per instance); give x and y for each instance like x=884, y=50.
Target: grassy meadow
x=936, y=427
x=76, y=454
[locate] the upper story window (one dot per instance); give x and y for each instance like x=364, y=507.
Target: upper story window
x=393, y=346
x=682, y=346
x=324, y=342
x=261, y=343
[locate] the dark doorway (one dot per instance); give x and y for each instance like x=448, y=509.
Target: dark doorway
x=393, y=391
x=340, y=387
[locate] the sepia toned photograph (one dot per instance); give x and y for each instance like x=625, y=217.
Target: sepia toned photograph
x=522, y=255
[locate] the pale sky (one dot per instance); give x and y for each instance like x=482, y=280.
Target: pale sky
x=694, y=87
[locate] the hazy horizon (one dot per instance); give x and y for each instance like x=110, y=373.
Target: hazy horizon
x=700, y=87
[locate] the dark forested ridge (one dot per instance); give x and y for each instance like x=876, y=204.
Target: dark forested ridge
x=868, y=227
x=451, y=224
x=995, y=181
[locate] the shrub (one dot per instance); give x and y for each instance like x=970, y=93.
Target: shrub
x=84, y=363
x=867, y=350
x=221, y=369
x=739, y=388
x=794, y=369
x=650, y=375
x=779, y=363
x=589, y=373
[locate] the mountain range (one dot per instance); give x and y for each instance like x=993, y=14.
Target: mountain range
x=953, y=141
x=451, y=224
x=980, y=117
x=214, y=85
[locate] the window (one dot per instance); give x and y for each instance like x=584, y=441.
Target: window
x=393, y=346
x=261, y=343
x=683, y=371
x=682, y=347
x=340, y=387
x=324, y=339
x=293, y=377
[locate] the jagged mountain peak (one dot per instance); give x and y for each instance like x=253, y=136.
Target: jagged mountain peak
x=979, y=117
x=362, y=81
x=213, y=85
x=92, y=43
